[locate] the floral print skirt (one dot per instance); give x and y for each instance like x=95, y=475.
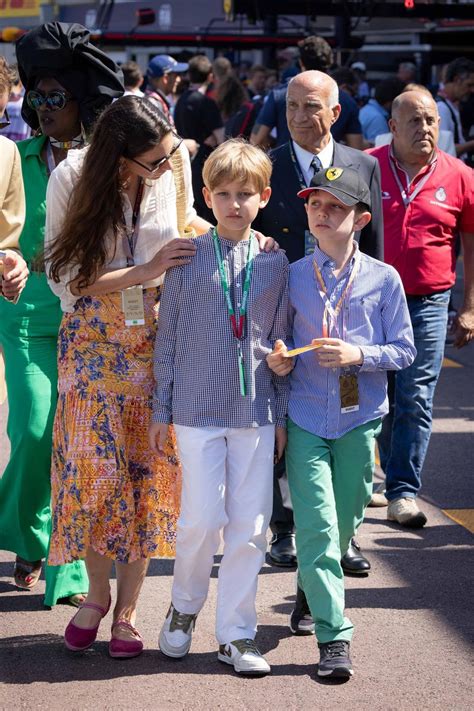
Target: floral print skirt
x=110, y=492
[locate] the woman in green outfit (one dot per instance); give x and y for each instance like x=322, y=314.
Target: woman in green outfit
x=68, y=82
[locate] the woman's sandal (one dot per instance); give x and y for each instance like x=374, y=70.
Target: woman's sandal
x=125, y=648
x=26, y=574
x=77, y=639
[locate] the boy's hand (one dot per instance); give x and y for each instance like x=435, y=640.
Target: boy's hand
x=266, y=244
x=278, y=361
x=157, y=434
x=281, y=439
x=336, y=353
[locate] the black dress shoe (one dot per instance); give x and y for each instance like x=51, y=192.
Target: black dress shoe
x=353, y=562
x=283, y=550
x=301, y=621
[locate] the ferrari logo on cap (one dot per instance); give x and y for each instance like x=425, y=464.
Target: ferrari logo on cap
x=334, y=173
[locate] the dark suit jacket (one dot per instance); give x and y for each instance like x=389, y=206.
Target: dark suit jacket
x=284, y=218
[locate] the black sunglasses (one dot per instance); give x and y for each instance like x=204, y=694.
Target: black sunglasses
x=54, y=100
x=5, y=120
x=159, y=163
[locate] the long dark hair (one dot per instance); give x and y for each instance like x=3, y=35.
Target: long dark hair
x=231, y=95
x=129, y=127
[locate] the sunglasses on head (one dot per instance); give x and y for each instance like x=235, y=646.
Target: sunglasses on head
x=53, y=100
x=161, y=161
x=4, y=120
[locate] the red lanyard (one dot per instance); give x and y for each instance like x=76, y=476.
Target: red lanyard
x=331, y=314
x=131, y=241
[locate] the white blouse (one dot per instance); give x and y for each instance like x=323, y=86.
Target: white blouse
x=158, y=219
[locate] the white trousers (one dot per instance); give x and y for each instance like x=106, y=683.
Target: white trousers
x=227, y=484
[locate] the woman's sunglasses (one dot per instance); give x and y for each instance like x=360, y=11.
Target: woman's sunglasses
x=53, y=100
x=159, y=163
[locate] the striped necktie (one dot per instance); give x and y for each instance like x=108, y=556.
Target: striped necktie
x=316, y=165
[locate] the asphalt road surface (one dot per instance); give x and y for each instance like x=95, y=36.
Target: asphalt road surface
x=413, y=614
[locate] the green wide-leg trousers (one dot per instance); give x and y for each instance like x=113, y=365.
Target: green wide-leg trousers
x=330, y=484
x=29, y=339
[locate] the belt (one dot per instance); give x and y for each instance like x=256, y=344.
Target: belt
x=420, y=297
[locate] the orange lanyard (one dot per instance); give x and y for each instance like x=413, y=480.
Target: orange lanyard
x=331, y=313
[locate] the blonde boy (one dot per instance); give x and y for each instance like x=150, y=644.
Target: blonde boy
x=220, y=316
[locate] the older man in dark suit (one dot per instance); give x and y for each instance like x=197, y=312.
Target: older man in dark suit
x=312, y=108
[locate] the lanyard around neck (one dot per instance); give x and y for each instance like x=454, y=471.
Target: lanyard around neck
x=131, y=241
x=237, y=328
x=331, y=313
x=297, y=167
x=408, y=198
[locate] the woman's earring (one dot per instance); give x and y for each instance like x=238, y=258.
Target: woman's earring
x=124, y=177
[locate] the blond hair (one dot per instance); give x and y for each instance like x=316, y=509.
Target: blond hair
x=236, y=159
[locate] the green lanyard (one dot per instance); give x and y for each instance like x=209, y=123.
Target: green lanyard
x=237, y=328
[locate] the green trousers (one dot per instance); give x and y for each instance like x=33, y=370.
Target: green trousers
x=28, y=334
x=330, y=484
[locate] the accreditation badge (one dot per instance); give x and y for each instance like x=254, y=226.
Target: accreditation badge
x=133, y=307
x=349, y=392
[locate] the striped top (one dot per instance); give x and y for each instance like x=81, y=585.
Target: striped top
x=195, y=362
x=376, y=319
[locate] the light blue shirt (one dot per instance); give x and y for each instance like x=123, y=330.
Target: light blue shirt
x=373, y=119
x=376, y=319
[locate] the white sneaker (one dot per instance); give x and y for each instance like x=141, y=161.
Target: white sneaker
x=176, y=633
x=244, y=656
x=406, y=512
x=378, y=497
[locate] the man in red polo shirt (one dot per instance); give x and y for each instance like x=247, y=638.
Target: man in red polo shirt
x=427, y=198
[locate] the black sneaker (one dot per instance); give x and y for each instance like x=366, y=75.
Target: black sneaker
x=301, y=621
x=334, y=660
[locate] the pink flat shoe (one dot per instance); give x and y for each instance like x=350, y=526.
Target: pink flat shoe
x=80, y=638
x=124, y=648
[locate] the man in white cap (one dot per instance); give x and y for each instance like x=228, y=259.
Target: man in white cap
x=359, y=70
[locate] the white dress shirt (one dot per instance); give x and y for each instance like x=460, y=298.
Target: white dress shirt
x=157, y=226
x=304, y=159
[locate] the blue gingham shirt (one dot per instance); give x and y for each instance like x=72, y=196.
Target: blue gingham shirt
x=376, y=319
x=195, y=362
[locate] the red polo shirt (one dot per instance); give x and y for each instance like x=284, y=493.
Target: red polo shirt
x=419, y=234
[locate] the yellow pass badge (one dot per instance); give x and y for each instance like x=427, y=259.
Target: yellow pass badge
x=133, y=307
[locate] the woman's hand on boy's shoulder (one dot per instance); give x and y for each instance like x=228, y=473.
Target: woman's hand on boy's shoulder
x=174, y=253
x=266, y=244
x=278, y=361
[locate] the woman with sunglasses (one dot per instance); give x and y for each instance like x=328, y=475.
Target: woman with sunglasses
x=67, y=82
x=111, y=233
